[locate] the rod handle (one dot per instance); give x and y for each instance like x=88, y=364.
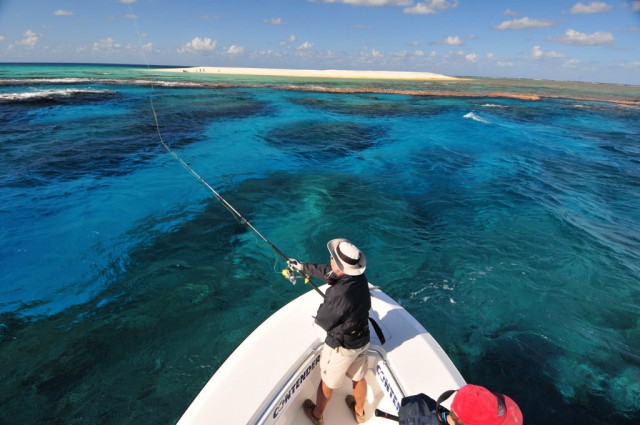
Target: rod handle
x=386, y=415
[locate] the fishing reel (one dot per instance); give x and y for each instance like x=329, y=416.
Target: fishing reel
x=295, y=271
x=292, y=274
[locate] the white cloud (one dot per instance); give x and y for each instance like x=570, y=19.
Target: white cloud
x=554, y=54
x=471, y=57
x=105, y=45
x=538, y=53
x=510, y=12
x=275, y=21
x=1, y=37
x=130, y=16
x=635, y=5
x=581, y=39
x=291, y=39
x=128, y=1
x=234, y=50
x=262, y=54
x=453, y=40
x=431, y=7
x=524, y=23
x=199, y=45
x=427, y=7
x=400, y=56
x=305, y=46
x=571, y=62
x=505, y=64
x=593, y=7
x=376, y=3
x=61, y=12
x=29, y=39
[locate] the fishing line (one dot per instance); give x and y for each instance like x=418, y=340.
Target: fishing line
x=289, y=273
x=224, y=202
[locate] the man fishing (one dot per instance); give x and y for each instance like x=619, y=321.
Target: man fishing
x=344, y=316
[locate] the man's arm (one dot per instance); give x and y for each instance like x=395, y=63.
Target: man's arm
x=319, y=271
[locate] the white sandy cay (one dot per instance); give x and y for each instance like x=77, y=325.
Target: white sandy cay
x=329, y=73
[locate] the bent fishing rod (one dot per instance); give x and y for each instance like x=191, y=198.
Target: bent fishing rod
x=290, y=273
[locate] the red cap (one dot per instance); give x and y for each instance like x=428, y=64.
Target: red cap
x=476, y=405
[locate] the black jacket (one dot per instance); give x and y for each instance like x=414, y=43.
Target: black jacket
x=344, y=314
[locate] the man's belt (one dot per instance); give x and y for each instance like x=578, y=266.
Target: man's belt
x=352, y=336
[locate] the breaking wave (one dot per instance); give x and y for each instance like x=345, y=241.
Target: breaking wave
x=51, y=95
x=475, y=117
x=75, y=81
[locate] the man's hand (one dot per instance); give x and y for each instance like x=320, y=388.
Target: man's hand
x=295, y=264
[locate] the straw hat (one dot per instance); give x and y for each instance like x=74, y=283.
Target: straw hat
x=349, y=259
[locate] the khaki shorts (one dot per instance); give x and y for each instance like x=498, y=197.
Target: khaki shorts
x=337, y=362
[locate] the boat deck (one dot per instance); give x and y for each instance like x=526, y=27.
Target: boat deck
x=337, y=412
x=268, y=377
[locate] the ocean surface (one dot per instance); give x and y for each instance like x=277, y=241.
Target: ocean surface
x=509, y=228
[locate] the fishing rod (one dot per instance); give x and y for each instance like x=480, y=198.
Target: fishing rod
x=290, y=273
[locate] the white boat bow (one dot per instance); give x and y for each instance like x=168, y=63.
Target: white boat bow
x=268, y=377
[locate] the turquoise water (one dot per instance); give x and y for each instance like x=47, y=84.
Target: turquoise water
x=509, y=228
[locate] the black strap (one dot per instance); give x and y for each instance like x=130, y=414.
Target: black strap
x=348, y=260
x=502, y=406
x=378, y=331
x=441, y=412
x=444, y=396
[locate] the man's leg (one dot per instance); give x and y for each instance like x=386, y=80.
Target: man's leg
x=360, y=394
x=322, y=399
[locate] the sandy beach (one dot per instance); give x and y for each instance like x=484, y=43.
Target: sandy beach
x=328, y=73
x=381, y=75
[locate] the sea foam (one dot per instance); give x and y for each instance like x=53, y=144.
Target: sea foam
x=48, y=94
x=475, y=117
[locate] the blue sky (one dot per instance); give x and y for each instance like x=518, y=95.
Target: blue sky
x=561, y=40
